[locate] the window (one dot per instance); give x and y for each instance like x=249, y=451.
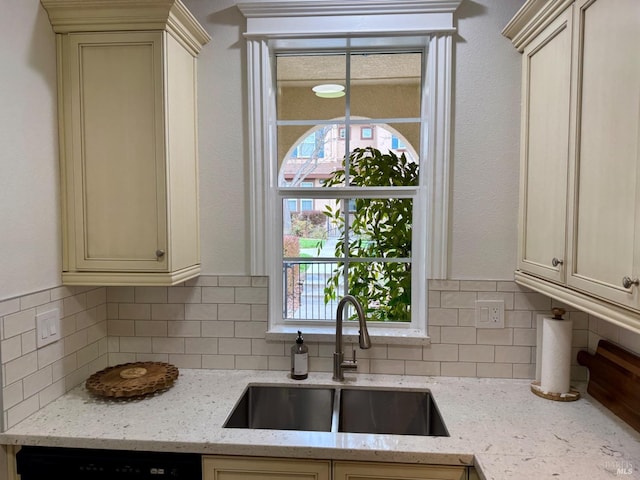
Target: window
x=323, y=33
x=366, y=133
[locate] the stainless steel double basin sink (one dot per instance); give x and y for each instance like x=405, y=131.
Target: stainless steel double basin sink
x=339, y=409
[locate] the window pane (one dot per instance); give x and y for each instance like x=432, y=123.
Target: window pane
x=308, y=233
x=308, y=154
x=297, y=76
x=383, y=288
x=386, y=85
x=370, y=167
x=378, y=227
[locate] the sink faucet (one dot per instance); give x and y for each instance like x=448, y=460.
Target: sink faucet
x=339, y=364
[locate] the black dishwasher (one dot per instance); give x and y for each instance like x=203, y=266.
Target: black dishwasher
x=40, y=463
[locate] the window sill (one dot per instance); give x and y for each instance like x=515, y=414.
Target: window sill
x=327, y=334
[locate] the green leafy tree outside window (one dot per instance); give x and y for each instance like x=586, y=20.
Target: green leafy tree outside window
x=379, y=228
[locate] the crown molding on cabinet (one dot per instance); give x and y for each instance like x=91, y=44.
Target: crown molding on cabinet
x=531, y=19
x=68, y=16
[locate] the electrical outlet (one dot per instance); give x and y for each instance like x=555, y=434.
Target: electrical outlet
x=489, y=314
x=47, y=327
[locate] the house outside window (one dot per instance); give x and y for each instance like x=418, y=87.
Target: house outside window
x=278, y=140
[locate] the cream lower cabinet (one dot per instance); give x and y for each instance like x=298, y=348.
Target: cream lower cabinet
x=250, y=468
x=256, y=468
x=579, y=218
x=128, y=141
x=396, y=471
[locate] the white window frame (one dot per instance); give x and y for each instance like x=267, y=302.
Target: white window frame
x=273, y=25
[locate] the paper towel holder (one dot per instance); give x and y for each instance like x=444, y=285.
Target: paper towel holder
x=572, y=395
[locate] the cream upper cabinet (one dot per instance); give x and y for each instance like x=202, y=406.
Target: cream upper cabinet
x=605, y=243
x=546, y=75
x=580, y=154
x=128, y=141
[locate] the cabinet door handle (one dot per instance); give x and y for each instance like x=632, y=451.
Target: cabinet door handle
x=159, y=253
x=555, y=262
x=628, y=283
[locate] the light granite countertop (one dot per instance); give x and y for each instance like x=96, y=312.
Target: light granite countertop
x=497, y=425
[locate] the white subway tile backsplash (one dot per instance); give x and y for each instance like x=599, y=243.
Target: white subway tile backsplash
x=50, y=353
x=422, y=368
x=35, y=299
x=218, y=328
x=458, y=369
x=495, y=336
x=185, y=295
x=222, y=362
x=234, y=281
x=234, y=312
x=151, y=328
x=440, y=352
x=20, y=322
x=150, y=294
x=12, y=394
x=218, y=295
x=21, y=411
x=443, y=317
x=512, y=354
x=250, y=329
x=173, y=311
x=459, y=335
x=190, y=328
x=11, y=348
x=252, y=362
x=220, y=323
x=201, y=312
x=404, y=352
x=458, y=299
x=167, y=345
x=201, y=346
x=37, y=381
x=133, y=311
x=20, y=367
x=495, y=370
x=478, y=286
x=532, y=301
x=135, y=345
x=234, y=346
x=477, y=353
x=8, y=307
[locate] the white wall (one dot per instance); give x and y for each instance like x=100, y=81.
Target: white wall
x=485, y=163
x=30, y=251
x=486, y=139
x=486, y=144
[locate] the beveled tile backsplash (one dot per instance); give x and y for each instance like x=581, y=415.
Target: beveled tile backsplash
x=219, y=322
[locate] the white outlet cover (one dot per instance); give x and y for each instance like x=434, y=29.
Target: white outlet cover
x=47, y=327
x=489, y=314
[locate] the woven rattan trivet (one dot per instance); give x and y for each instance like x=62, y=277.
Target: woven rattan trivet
x=132, y=379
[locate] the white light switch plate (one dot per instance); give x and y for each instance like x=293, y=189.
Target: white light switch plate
x=47, y=327
x=489, y=314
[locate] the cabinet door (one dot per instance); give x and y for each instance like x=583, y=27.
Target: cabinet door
x=546, y=74
x=116, y=170
x=606, y=162
x=396, y=471
x=253, y=468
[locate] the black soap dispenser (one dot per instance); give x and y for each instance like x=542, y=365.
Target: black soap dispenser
x=299, y=359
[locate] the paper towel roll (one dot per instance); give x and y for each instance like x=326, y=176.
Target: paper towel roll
x=539, y=348
x=555, y=375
